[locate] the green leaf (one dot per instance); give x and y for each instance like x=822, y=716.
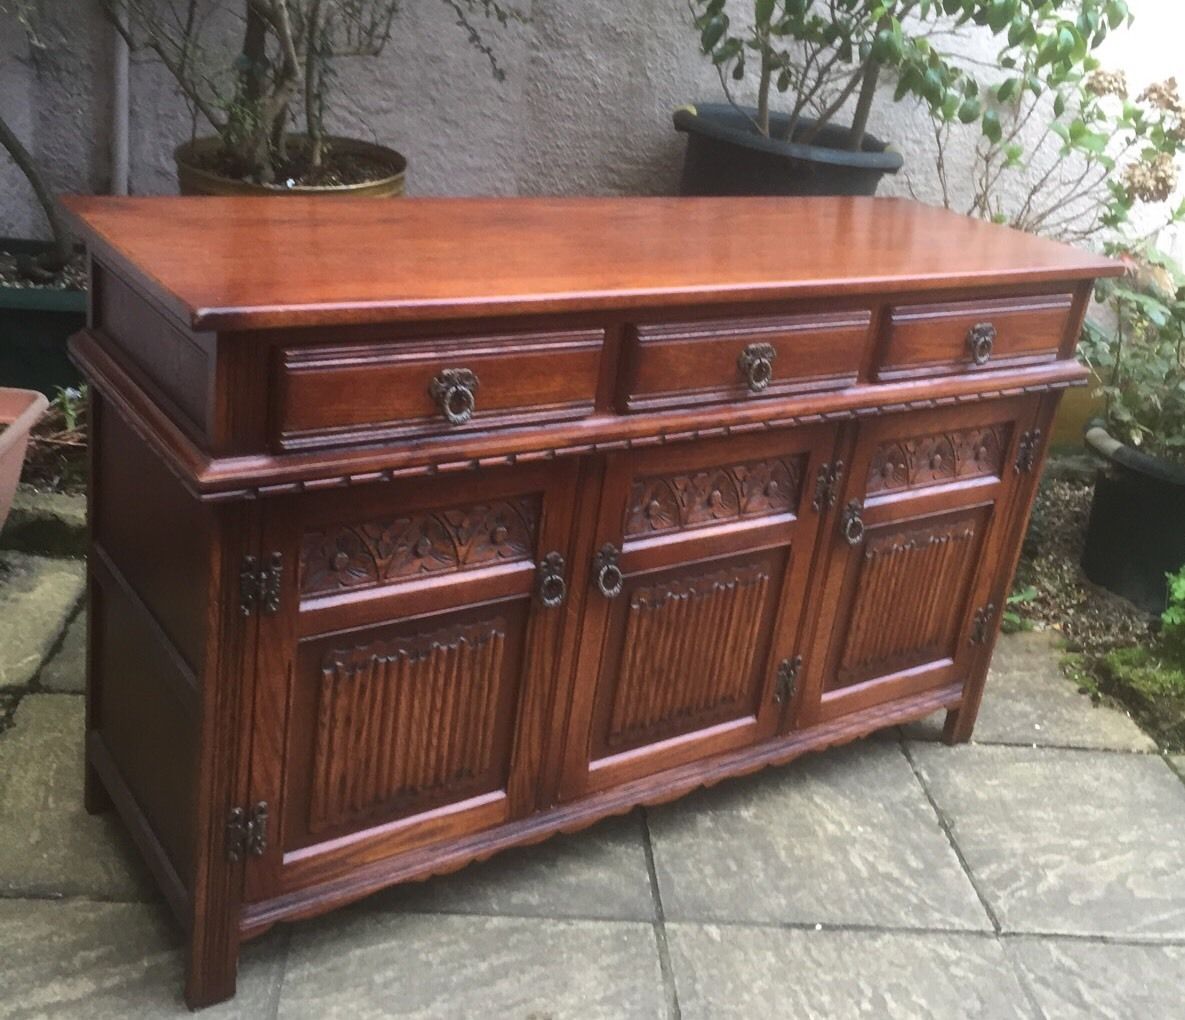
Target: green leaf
x=1007, y=90
x=712, y=32
x=970, y=111
x=991, y=126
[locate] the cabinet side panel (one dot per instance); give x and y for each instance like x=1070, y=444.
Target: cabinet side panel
x=149, y=589
x=176, y=364
x=155, y=534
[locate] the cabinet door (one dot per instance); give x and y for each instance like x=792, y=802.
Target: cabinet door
x=916, y=547
x=405, y=682
x=699, y=568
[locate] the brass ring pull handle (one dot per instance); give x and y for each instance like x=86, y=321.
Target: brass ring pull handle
x=454, y=391
x=852, y=523
x=981, y=338
x=552, y=587
x=610, y=579
x=757, y=365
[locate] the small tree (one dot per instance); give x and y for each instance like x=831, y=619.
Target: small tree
x=286, y=62
x=822, y=53
x=28, y=14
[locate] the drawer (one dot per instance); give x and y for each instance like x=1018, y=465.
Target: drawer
x=966, y=335
x=690, y=363
x=332, y=394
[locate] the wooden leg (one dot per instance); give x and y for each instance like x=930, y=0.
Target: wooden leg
x=960, y=722
x=212, y=965
x=955, y=730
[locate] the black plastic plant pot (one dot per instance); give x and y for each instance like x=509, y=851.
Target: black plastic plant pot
x=1136, y=533
x=726, y=155
x=35, y=323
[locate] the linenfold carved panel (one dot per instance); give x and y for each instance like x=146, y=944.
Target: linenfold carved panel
x=402, y=720
x=931, y=460
x=378, y=552
x=688, y=653
x=675, y=502
x=910, y=589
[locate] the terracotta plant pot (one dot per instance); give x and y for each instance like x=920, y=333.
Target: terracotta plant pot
x=727, y=156
x=19, y=411
x=193, y=180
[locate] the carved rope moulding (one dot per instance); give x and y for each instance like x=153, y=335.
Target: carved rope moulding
x=675, y=502
x=394, y=549
x=932, y=460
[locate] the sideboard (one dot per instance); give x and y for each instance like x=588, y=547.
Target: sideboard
x=422, y=529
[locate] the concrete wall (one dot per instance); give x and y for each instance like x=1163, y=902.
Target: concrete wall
x=585, y=108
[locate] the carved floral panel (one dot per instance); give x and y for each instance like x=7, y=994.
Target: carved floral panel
x=932, y=460
x=349, y=556
x=675, y=502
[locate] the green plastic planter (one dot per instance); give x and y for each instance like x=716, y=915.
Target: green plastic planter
x=34, y=325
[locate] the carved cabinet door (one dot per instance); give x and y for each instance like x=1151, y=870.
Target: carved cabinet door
x=406, y=676
x=915, y=539
x=693, y=595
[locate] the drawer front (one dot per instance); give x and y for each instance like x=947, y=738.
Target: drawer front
x=967, y=335
x=682, y=364
x=362, y=393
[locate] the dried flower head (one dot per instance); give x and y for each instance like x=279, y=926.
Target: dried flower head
x=1107, y=83
x=1164, y=96
x=1151, y=180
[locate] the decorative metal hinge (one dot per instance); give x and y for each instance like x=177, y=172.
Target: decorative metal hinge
x=981, y=623
x=1026, y=451
x=827, y=486
x=246, y=832
x=787, y=680
x=260, y=588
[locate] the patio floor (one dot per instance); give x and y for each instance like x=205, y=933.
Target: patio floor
x=1038, y=872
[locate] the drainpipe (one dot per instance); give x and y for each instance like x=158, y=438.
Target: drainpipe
x=119, y=115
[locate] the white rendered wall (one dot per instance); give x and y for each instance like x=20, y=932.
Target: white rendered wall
x=585, y=108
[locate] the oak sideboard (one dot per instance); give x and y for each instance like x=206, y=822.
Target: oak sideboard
x=425, y=528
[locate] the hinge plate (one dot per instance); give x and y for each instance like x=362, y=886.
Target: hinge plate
x=1026, y=451
x=981, y=623
x=259, y=588
x=787, y=679
x=246, y=832
x=827, y=484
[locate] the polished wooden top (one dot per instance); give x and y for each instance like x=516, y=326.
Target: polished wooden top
x=236, y=263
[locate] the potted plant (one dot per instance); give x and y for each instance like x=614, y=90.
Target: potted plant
x=41, y=282
x=285, y=68
x=826, y=55
x=1136, y=532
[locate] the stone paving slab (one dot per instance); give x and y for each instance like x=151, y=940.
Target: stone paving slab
x=37, y=597
x=600, y=872
x=1077, y=842
x=1078, y=980
x=757, y=973
x=65, y=672
x=49, y=523
x=360, y=965
x=1029, y=701
x=115, y=961
x=847, y=837
x=49, y=845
